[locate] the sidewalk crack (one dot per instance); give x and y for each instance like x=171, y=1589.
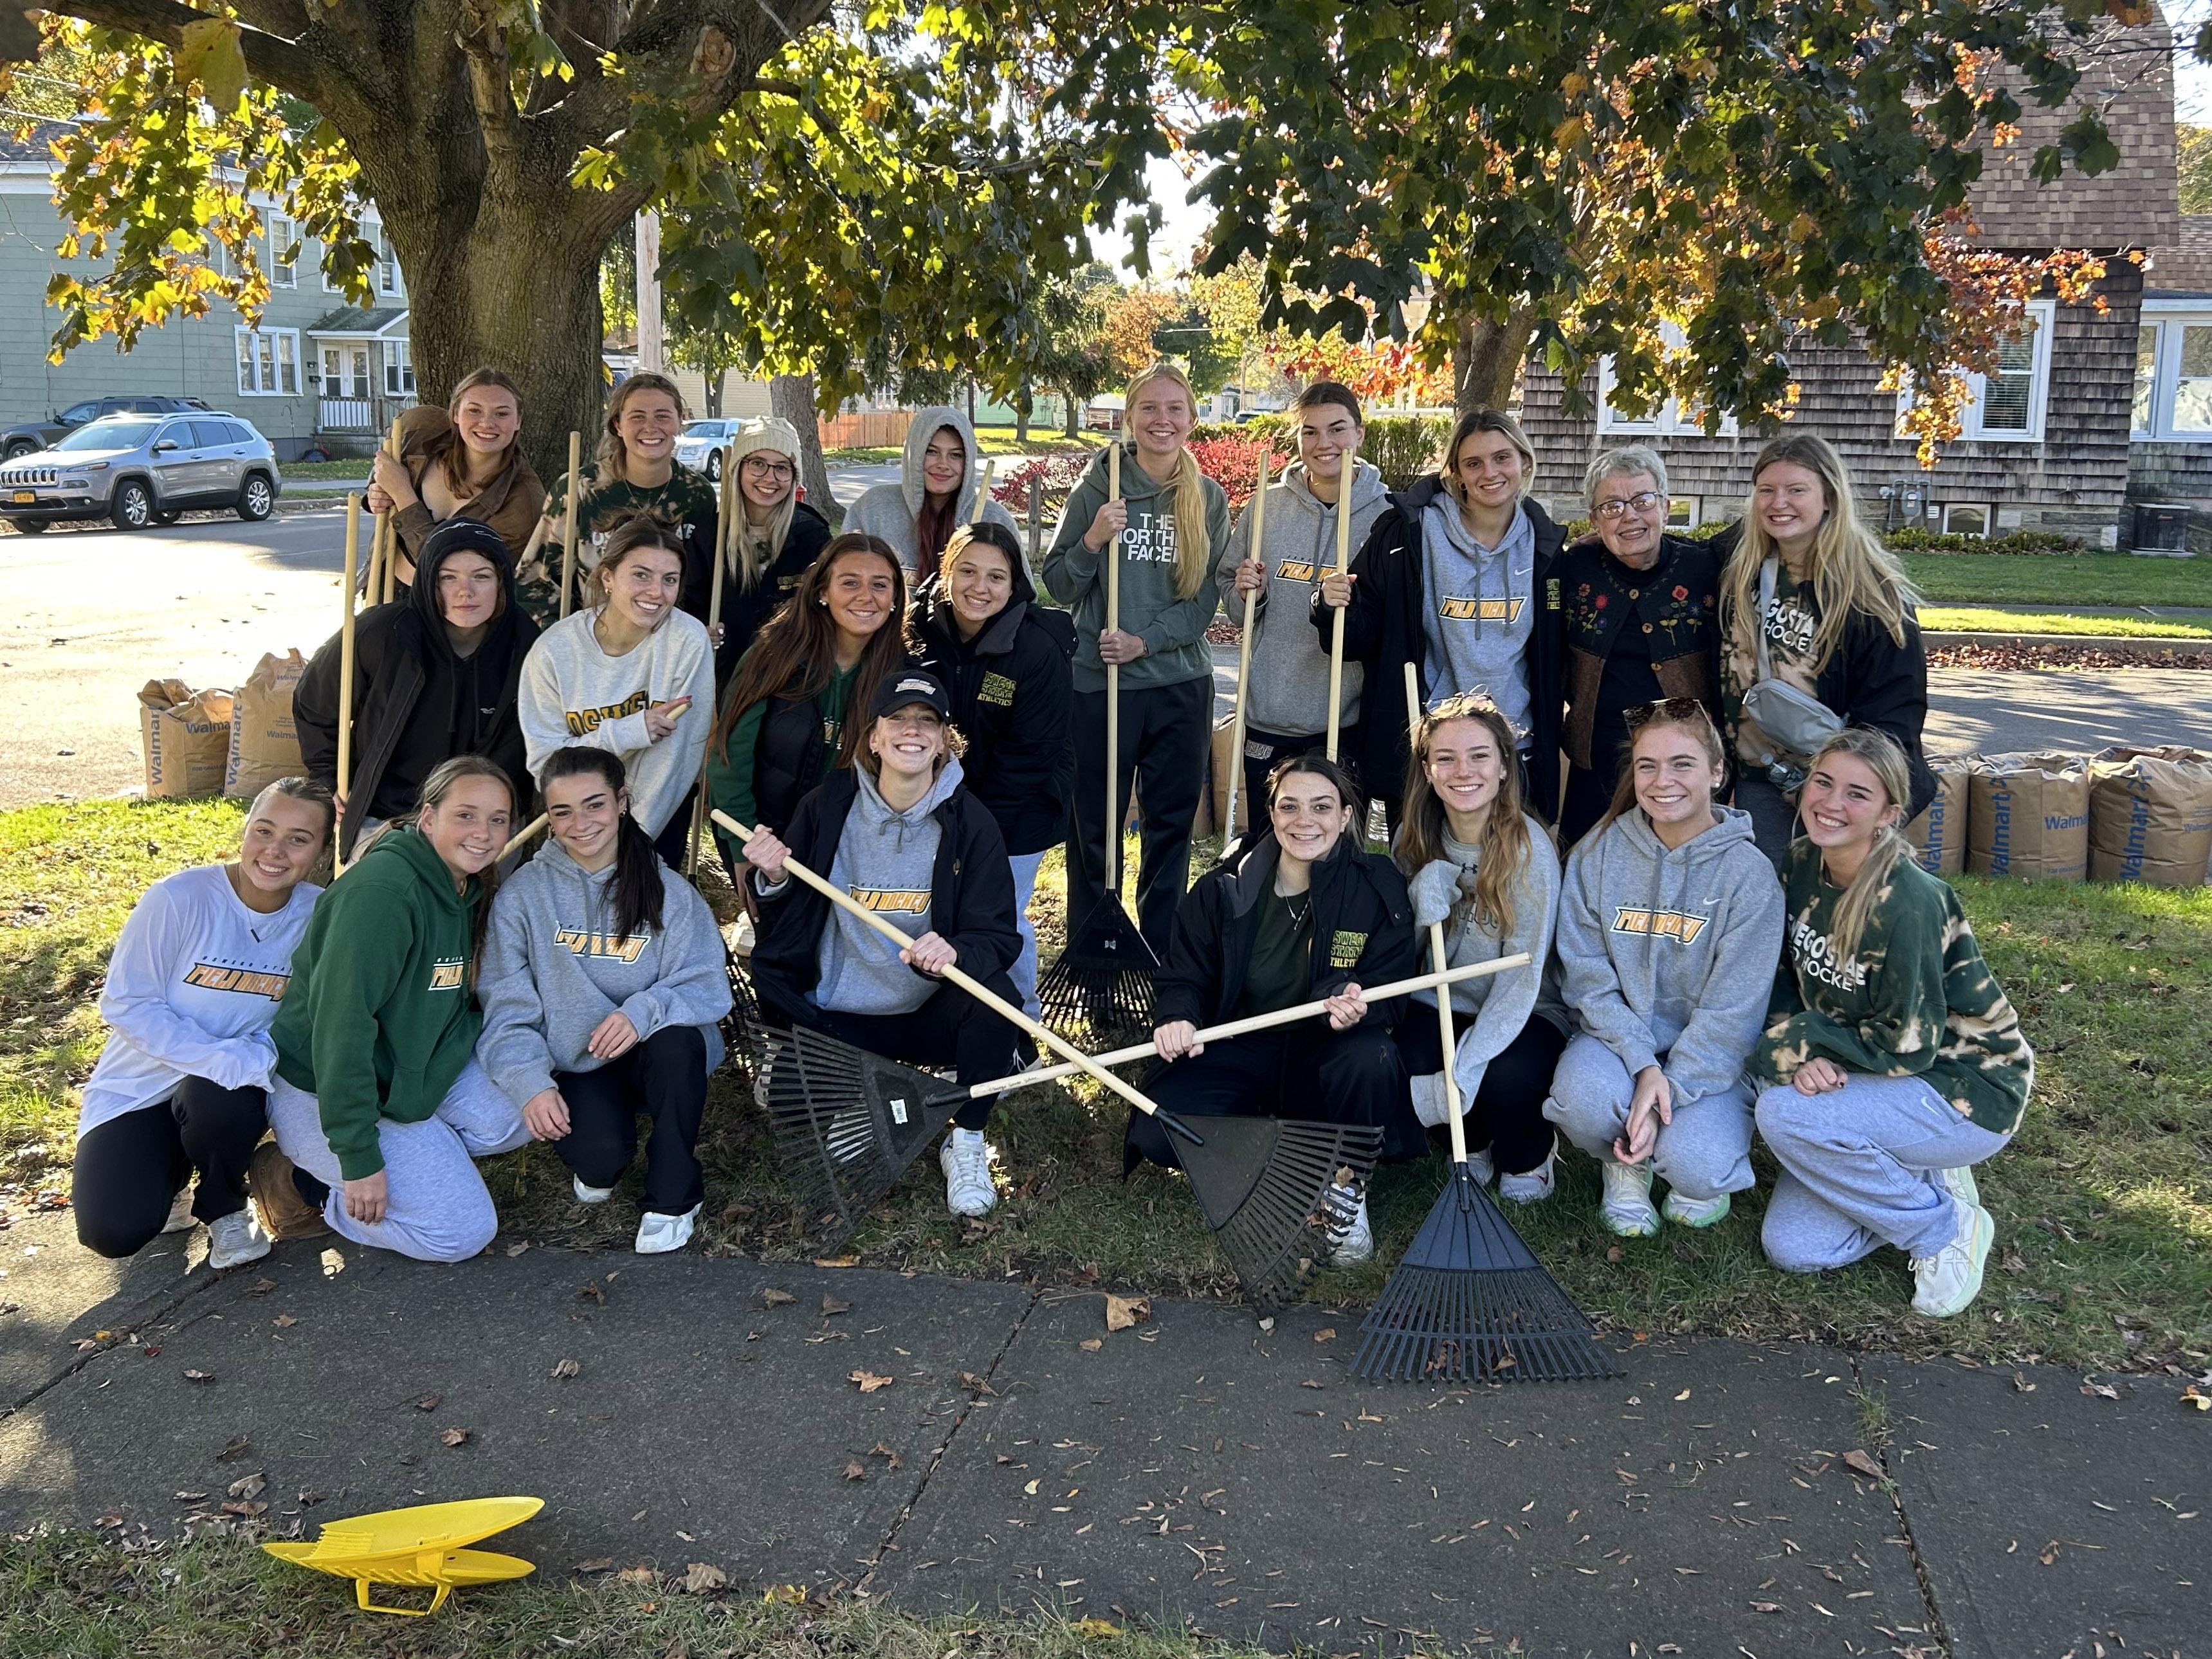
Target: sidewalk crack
x=150, y=1311
x=1873, y=1410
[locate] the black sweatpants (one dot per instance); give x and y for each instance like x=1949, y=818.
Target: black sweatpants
x=128, y=1169
x=1311, y=1072
x=673, y=844
x=951, y=1029
x=1589, y=795
x=1266, y=750
x=665, y=1077
x=1507, y=1112
x=1165, y=733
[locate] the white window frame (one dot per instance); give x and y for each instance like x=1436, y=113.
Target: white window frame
x=398, y=368
x=1670, y=419
x=282, y=233
x=1987, y=509
x=1693, y=513
x=2045, y=314
x=2169, y=317
x=282, y=362
x=385, y=281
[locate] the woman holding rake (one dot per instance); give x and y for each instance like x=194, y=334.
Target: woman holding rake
x=1298, y=913
x=900, y=831
x=464, y=459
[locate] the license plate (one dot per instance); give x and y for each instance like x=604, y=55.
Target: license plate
x=23, y=497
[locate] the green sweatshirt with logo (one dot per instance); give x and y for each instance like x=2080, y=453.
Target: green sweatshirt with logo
x=379, y=1020
x=1916, y=1000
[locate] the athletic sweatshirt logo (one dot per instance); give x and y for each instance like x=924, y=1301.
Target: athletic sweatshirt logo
x=1296, y=570
x=1465, y=607
x=1152, y=541
x=1659, y=924
x=447, y=972
x=1814, y=956
x=582, y=722
x=246, y=981
x=1346, y=947
x=902, y=901
x=582, y=942
x=997, y=689
x=1791, y=626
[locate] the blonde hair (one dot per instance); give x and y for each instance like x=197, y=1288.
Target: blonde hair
x=1884, y=758
x=1193, y=551
x=753, y=552
x=1482, y=421
x=1848, y=567
x=611, y=456
x=1423, y=824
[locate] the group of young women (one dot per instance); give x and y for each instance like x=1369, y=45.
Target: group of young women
x=897, y=708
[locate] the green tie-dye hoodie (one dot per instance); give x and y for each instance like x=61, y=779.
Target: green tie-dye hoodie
x=1917, y=1000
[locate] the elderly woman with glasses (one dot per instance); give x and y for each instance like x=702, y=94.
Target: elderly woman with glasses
x=1640, y=620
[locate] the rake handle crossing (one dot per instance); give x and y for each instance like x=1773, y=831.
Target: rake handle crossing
x=1251, y=1023
x=967, y=982
x=1244, y=653
x=1344, y=480
x=1458, y=1131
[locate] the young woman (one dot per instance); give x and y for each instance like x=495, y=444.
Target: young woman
x=181, y=1090
x=1670, y=924
x=636, y=471
x=1171, y=524
x=633, y=676
x=1003, y=659
x=466, y=458
x=602, y=979
x=1299, y=911
x=782, y=728
x=1458, y=578
x=898, y=826
x=378, y=1106
x=776, y=538
x=1287, y=689
x=1478, y=862
x=1894, y=1062
x=1833, y=609
x=435, y=673
x=938, y=490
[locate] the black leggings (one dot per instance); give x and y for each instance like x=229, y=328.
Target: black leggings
x=1165, y=730
x=951, y=1028
x=1507, y=1112
x=1329, y=1076
x=665, y=1077
x=128, y=1169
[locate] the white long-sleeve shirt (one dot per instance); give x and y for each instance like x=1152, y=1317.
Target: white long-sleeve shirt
x=192, y=988
x=573, y=692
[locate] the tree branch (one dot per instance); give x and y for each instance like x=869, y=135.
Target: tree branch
x=270, y=57
x=490, y=73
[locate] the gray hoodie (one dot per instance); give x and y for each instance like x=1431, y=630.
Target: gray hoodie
x=1288, y=685
x=552, y=969
x=889, y=510
x=1666, y=957
x=887, y=860
x=1481, y=609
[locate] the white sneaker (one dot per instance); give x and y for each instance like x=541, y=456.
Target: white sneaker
x=1483, y=1167
x=1687, y=1212
x=966, y=1160
x=1625, y=1208
x=1947, y=1282
x=658, y=1234
x=589, y=1194
x=1958, y=1182
x=1354, y=1242
x=235, y=1240
x=1534, y=1187
x=181, y=1218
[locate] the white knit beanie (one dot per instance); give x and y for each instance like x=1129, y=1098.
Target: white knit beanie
x=770, y=431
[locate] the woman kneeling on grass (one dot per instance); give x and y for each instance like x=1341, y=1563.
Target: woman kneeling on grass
x=182, y=1086
x=379, y=1105
x=901, y=833
x=1895, y=1061
x=1300, y=913
x=602, y=979
x=1670, y=924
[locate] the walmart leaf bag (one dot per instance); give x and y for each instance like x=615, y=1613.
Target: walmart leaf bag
x=1939, y=835
x=2150, y=816
x=2028, y=815
x=187, y=739
x=265, y=744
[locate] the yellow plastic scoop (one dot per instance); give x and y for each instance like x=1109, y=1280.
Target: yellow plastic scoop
x=420, y=1546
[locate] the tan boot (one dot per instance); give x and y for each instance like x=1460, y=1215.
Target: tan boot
x=284, y=1214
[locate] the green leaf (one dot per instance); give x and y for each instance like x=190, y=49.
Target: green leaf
x=211, y=55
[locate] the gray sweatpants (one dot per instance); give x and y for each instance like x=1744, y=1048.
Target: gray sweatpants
x=1704, y=1152
x=1858, y=1170
x=436, y=1208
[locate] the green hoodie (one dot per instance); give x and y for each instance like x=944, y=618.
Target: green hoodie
x=1172, y=628
x=377, y=1021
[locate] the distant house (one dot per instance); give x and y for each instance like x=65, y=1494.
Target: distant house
x=2079, y=418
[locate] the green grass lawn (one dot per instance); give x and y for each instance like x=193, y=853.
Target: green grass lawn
x=994, y=441
x=1946, y=618
x=2104, y=1204
x=2089, y=578
x=305, y=470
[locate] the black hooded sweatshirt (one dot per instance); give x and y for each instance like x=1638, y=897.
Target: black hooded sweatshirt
x=1012, y=689
x=414, y=702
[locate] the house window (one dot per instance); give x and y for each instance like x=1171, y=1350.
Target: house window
x=283, y=273
x=398, y=369
x=2006, y=405
x=1682, y=512
x=2144, y=402
x=268, y=362
x=2172, y=398
x=1670, y=419
x=386, y=267
x=1966, y=519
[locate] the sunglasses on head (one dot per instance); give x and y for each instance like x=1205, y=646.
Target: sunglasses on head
x=1664, y=708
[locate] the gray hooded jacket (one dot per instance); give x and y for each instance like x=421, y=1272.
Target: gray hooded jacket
x=889, y=510
x=887, y=860
x=1666, y=957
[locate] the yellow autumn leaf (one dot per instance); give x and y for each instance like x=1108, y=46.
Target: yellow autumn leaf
x=209, y=52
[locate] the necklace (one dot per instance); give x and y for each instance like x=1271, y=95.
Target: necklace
x=1297, y=910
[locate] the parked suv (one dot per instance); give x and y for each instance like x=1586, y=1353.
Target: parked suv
x=35, y=435
x=141, y=469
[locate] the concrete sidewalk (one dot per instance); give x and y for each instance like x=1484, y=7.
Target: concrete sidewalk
x=1194, y=1471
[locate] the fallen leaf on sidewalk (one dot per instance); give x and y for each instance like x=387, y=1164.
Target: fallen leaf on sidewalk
x=2021, y=1384
x=454, y=1437
x=974, y=1384
x=2192, y=1396
x=199, y=1376
x=245, y=1510
x=237, y=1448
x=248, y=1485
x=191, y=1497
x=517, y=1248
x=1124, y=1311
x=596, y=1564
x=777, y=1298
x=856, y=1470
x=638, y=1575
x=429, y=1403
x=700, y=1578
x=2100, y=1390
x=1859, y=1464
x=285, y=1321
x=890, y=1458
x=1091, y=1345
x=261, y=1287
x=566, y=1368
x=1326, y=1334
x=869, y=1381
x=831, y=1306
x=592, y=1290
x=852, y=1261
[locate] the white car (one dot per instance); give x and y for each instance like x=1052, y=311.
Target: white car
x=700, y=444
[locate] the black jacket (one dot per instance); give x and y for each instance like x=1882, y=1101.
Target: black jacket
x=1676, y=605
x=1011, y=688
x=1362, y=919
x=743, y=612
x=1383, y=631
x=415, y=704
x=971, y=893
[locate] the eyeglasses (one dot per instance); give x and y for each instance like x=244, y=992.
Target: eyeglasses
x=1666, y=708
x=760, y=467
x=1642, y=501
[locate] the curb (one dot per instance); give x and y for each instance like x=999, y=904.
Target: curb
x=2074, y=641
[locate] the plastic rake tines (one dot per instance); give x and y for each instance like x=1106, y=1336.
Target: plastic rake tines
x=1470, y=1303
x=1101, y=986
x=742, y=1030
x=1264, y=1185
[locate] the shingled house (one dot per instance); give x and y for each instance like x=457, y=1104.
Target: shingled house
x=2085, y=415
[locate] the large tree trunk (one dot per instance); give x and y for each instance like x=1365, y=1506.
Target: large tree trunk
x=792, y=397
x=714, y=379
x=1072, y=413
x=1487, y=361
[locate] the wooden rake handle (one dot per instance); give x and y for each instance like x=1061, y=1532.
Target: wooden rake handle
x=1253, y=547
x=967, y=982
x=1252, y=1023
x=1344, y=482
x=1456, y=1130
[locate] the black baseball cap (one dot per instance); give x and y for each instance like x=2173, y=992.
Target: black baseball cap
x=906, y=687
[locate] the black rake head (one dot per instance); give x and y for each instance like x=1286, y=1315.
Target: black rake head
x=1102, y=987
x=743, y=1032
x=1268, y=1187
